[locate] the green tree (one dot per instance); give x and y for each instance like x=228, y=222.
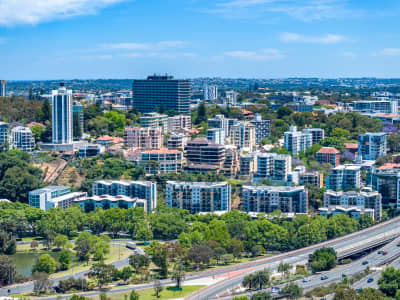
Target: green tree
x=64, y=259
x=389, y=282
x=159, y=256
x=125, y=273
x=284, y=111
x=46, y=109
x=7, y=270
x=322, y=259
x=201, y=114
x=117, y=119
x=82, y=248
x=158, y=288
x=134, y=295
x=41, y=283
x=45, y=264
x=284, y=268
x=102, y=273
x=262, y=296
x=61, y=241
x=143, y=232
x=365, y=221
x=178, y=273
x=292, y=291
x=37, y=132
x=138, y=262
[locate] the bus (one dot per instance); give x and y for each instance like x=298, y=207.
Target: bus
x=131, y=245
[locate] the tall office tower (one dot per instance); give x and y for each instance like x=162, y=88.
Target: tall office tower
x=162, y=92
x=210, y=92
x=371, y=146
x=4, y=136
x=62, y=115
x=3, y=88
x=78, y=121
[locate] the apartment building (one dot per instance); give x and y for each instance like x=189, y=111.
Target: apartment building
x=216, y=135
x=219, y=121
x=367, y=198
x=317, y=134
x=353, y=212
x=89, y=204
x=53, y=197
x=143, y=138
x=211, y=92
x=22, y=139
x=179, y=122
x=202, y=151
x=263, y=128
x=199, y=197
x=177, y=141
x=328, y=155
x=266, y=199
x=135, y=189
x=273, y=166
x=248, y=164
x=4, y=136
x=296, y=141
x=243, y=136
x=161, y=161
x=344, y=177
x=371, y=146
x=231, y=164
x=376, y=106
x=154, y=120
x=313, y=178
x=386, y=180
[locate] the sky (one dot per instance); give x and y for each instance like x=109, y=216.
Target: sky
x=89, y=39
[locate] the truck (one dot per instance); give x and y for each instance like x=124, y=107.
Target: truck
x=131, y=245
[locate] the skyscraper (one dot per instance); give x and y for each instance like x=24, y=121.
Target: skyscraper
x=162, y=92
x=3, y=88
x=62, y=115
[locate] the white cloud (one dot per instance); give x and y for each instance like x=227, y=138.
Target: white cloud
x=16, y=12
x=305, y=10
x=349, y=54
x=145, y=46
x=389, y=52
x=266, y=54
x=289, y=37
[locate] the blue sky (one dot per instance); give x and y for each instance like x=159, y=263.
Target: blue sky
x=64, y=39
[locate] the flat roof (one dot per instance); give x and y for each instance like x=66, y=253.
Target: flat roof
x=52, y=188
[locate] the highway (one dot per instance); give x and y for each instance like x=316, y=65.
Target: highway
x=344, y=244
x=347, y=244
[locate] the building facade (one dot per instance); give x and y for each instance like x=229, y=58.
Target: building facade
x=22, y=139
x=371, y=146
x=248, y=164
x=243, y=136
x=211, y=92
x=198, y=197
x=386, y=180
x=266, y=199
x=296, y=141
x=134, y=189
x=177, y=141
x=216, y=135
x=263, y=128
x=143, y=138
x=344, y=177
x=328, y=155
x=273, y=166
x=89, y=204
x=4, y=136
x=3, y=88
x=154, y=120
x=41, y=198
x=162, y=92
x=179, y=122
x=317, y=134
x=202, y=151
x=219, y=121
x=161, y=161
x=62, y=132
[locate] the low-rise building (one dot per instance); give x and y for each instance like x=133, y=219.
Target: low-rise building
x=154, y=119
x=199, y=197
x=177, y=141
x=271, y=198
x=134, y=189
x=179, y=122
x=202, y=151
x=364, y=199
x=202, y=169
x=53, y=197
x=317, y=134
x=89, y=150
x=328, y=155
x=313, y=178
x=89, y=204
x=353, y=212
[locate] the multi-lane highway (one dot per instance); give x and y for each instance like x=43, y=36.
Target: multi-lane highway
x=386, y=230
x=234, y=274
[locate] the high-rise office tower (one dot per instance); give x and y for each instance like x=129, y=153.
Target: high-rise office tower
x=162, y=92
x=62, y=115
x=3, y=88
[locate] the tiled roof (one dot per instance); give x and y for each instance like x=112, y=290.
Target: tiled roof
x=328, y=150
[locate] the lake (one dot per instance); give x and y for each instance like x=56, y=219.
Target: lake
x=25, y=261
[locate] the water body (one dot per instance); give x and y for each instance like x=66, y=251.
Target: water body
x=25, y=261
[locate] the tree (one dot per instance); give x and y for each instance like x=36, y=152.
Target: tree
x=34, y=245
x=143, y=232
x=158, y=288
x=256, y=250
x=178, y=273
x=389, y=282
x=201, y=113
x=284, y=111
x=248, y=281
x=322, y=259
x=134, y=295
x=262, y=296
x=7, y=270
x=292, y=291
x=64, y=259
x=45, y=264
x=284, y=268
x=37, y=131
x=82, y=248
x=236, y=248
x=139, y=261
x=102, y=273
x=261, y=278
x=218, y=253
x=46, y=110
x=125, y=273
x=200, y=254
x=117, y=119
x=159, y=256
x=8, y=244
x=61, y=241
x=365, y=221
x=41, y=283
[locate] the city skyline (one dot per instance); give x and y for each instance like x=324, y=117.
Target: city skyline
x=199, y=38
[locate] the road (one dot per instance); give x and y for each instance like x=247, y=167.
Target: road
x=235, y=274
x=298, y=257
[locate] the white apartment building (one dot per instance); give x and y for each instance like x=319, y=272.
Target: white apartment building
x=344, y=177
x=296, y=141
x=243, y=136
x=22, y=139
x=216, y=135
x=211, y=92
x=143, y=138
x=371, y=146
x=273, y=166
x=179, y=122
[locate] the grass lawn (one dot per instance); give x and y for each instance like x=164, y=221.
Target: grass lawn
x=167, y=293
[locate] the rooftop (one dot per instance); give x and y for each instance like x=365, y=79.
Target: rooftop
x=69, y=196
x=274, y=188
x=110, y=198
x=328, y=150
x=52, y=188
x=161, y=151
x=198, y=184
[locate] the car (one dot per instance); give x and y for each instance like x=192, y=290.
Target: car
x=324, y=277
x=370, y=280
x=358, y=290
x=365, y=262
x=398, y=244
x=380, y=252
x=384, y=253
x=344, y=275
x=306, y=280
